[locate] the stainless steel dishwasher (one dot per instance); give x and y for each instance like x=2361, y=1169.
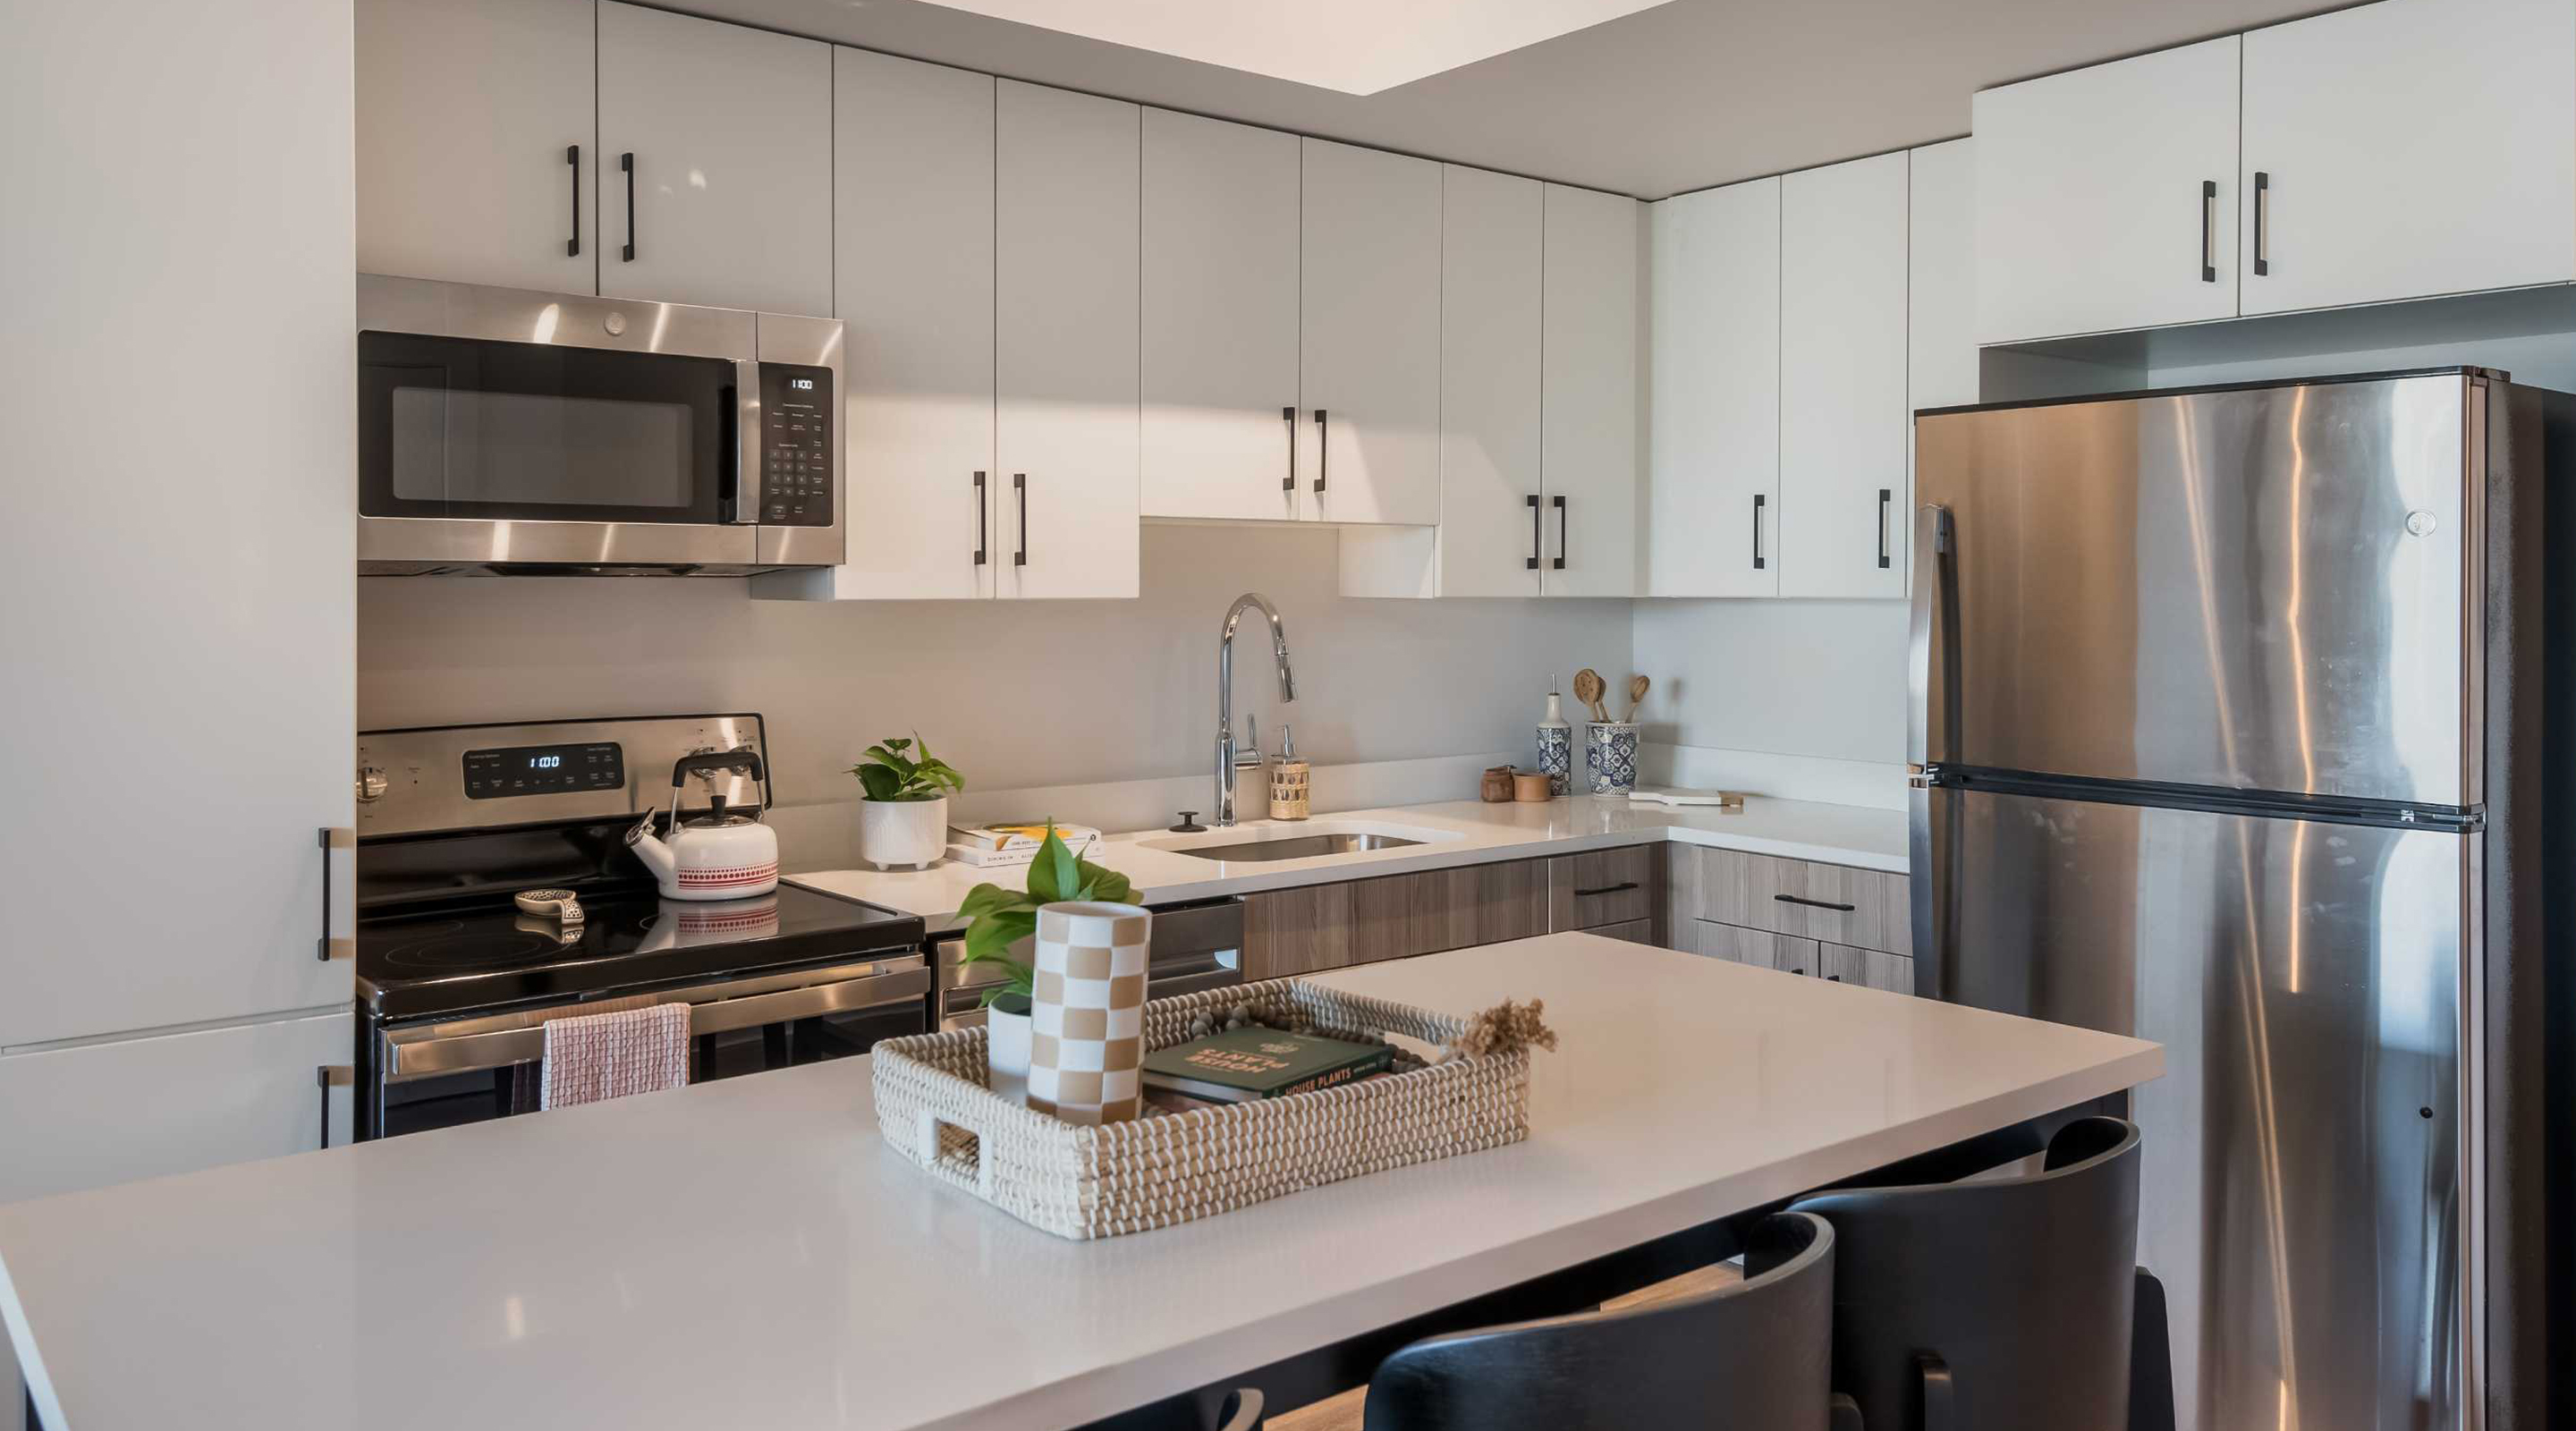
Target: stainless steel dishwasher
x=1198, y=945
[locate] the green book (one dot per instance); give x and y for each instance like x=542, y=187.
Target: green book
x=1240, y=1065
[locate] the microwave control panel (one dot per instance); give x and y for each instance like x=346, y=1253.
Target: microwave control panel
x=796, y=405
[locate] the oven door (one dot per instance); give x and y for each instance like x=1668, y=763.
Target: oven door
x=440, y=1073
x=505, y=430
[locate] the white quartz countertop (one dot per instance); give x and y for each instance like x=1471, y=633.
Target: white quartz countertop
x=748, y=1253
x=1458, y=832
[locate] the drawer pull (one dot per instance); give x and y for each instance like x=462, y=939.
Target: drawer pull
x=1815, y=903
x=1622, y=887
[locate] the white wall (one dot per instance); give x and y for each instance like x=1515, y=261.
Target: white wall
x=1015, y=694
x=1808, y=678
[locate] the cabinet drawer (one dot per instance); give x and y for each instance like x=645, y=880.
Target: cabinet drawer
x=1635, y=931
x=1758, y=947
x=1865, y=909
x=1587, y=891
x=1868, y=968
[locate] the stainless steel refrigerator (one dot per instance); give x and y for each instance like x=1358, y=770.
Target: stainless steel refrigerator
x=2227, y=732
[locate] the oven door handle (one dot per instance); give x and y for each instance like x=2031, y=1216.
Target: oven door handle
x=709, y=1013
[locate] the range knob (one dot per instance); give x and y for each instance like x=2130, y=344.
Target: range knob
x=371, y=784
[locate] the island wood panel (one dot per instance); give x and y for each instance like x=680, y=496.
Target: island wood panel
x=1866, y=909
x=1328, y=926
x=1599, y=887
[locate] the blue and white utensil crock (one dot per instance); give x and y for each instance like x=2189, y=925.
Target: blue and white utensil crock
x=1613, y=748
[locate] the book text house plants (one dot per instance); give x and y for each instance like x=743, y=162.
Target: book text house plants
x=903, y=812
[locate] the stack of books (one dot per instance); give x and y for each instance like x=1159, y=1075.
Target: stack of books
x=1246, y=1064
x=1014, y=843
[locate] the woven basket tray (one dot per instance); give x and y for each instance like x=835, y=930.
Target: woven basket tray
x=1085, y=1181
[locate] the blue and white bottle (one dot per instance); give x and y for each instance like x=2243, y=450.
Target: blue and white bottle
x=1556, y=747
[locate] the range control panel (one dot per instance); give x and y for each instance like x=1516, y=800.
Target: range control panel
x=796, y=485
x=541, y=769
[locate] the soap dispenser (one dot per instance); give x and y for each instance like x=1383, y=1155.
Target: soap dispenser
x=1556, y=745
x=1289, y=798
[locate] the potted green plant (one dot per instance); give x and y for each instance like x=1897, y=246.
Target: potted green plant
x=903, y=810
x=1000, y=920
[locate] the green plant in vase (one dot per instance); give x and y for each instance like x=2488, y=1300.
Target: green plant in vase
x=903, y=809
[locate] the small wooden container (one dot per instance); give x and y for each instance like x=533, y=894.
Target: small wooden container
x=1290, y=798
x=1497, y=789
x=1531, y=786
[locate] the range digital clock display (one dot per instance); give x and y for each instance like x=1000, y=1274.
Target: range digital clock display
x=544, y=770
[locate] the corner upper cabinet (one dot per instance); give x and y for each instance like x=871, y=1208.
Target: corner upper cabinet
x=1941, y=282
x=1843, y=416
x=1369, y=322
x=1219, y=327
x=2407, y=149
x=499, y=190
x=715, y=180
x=2107, y=197
x=1714, y=443
x=1592, y=412
x=1066, y=245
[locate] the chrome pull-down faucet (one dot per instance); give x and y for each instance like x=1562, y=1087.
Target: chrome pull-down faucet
x=1231, y=757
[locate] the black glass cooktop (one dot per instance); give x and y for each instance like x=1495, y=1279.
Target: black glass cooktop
x=476, y=955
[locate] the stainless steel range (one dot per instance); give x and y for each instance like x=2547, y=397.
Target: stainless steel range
x=497, y=889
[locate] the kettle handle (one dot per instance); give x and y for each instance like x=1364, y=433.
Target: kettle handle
x=712, y=762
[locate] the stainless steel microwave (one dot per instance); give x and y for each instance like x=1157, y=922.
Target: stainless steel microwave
x=504, y=432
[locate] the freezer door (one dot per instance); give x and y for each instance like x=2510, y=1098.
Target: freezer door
x=2300, y=1190
x=2259, y=589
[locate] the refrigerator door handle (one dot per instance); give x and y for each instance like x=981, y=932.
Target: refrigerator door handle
x=1933, y=625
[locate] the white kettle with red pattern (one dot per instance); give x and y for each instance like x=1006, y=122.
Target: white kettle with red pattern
x=718, y=855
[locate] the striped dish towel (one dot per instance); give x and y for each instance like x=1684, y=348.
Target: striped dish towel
x=591, y=1057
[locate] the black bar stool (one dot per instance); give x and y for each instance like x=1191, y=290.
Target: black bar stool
x=2003, y=1305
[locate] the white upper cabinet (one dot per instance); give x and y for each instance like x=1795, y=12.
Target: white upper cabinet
x=1067, y=187
x=477, y=157
x=2106, y=197
x=2409, y=148
x=728, y=131
x=1591, y=395
x=1220, y=319
x=1714, y=439
x=1369, y=366
x=1843, y=423
x=1941, y=290
x=912, y=160
x=1490, y=454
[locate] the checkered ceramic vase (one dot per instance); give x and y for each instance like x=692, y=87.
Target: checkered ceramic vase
x=1087, y=1032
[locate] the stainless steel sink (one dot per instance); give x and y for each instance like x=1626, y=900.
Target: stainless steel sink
x=1301, y=847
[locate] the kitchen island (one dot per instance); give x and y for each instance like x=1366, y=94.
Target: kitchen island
x=748, y=1253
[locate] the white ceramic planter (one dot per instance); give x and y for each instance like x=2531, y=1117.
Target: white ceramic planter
x=1006, y=1046
x=912, y=834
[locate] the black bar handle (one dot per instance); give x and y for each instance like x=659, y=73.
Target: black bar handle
x=714, y=761
x=1288, y=483
x=1535, y=528
x=572, y=156
x=1560, y=532
x=1323, y=449
x=2262, y=224
x=1757, y=531
x=1885, y=496
x=1622, y=887
x=2208, y=229
x=1020, y=484
x=328, y=948
x=322, y=1080
x=626, y=161
x=1814, y=903
x=983, y=520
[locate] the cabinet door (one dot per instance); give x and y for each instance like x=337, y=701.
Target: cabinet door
x=1220, y=319
x=1759, y=948
x=1868, y=968
x=1715, y=445
x=1592, y=400
x=1941, y=287
x=2409, y=148
x=2106, y=197
x=1066, y=244
x=478, y=160
x=912, y=159
x=1297, y=931
x=1369, y=336
x=1843, y=419
x=730, y=133
x=1489, y=384
x=104, y=1113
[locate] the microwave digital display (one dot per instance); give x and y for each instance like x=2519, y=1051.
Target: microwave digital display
x=795, y=445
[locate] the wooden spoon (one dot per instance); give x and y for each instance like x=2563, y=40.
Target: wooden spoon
x=1636, y=696
x=1587, y=689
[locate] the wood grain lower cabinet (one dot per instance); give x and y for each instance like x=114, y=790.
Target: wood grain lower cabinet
x=1331, y=926
x=1739, y=945
x=1601, y=887
x=1868, y=968
x=1866, y=909
x=1635, y=931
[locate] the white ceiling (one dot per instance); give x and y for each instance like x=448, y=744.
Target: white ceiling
x=1309, y=42
x=1680, y=96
